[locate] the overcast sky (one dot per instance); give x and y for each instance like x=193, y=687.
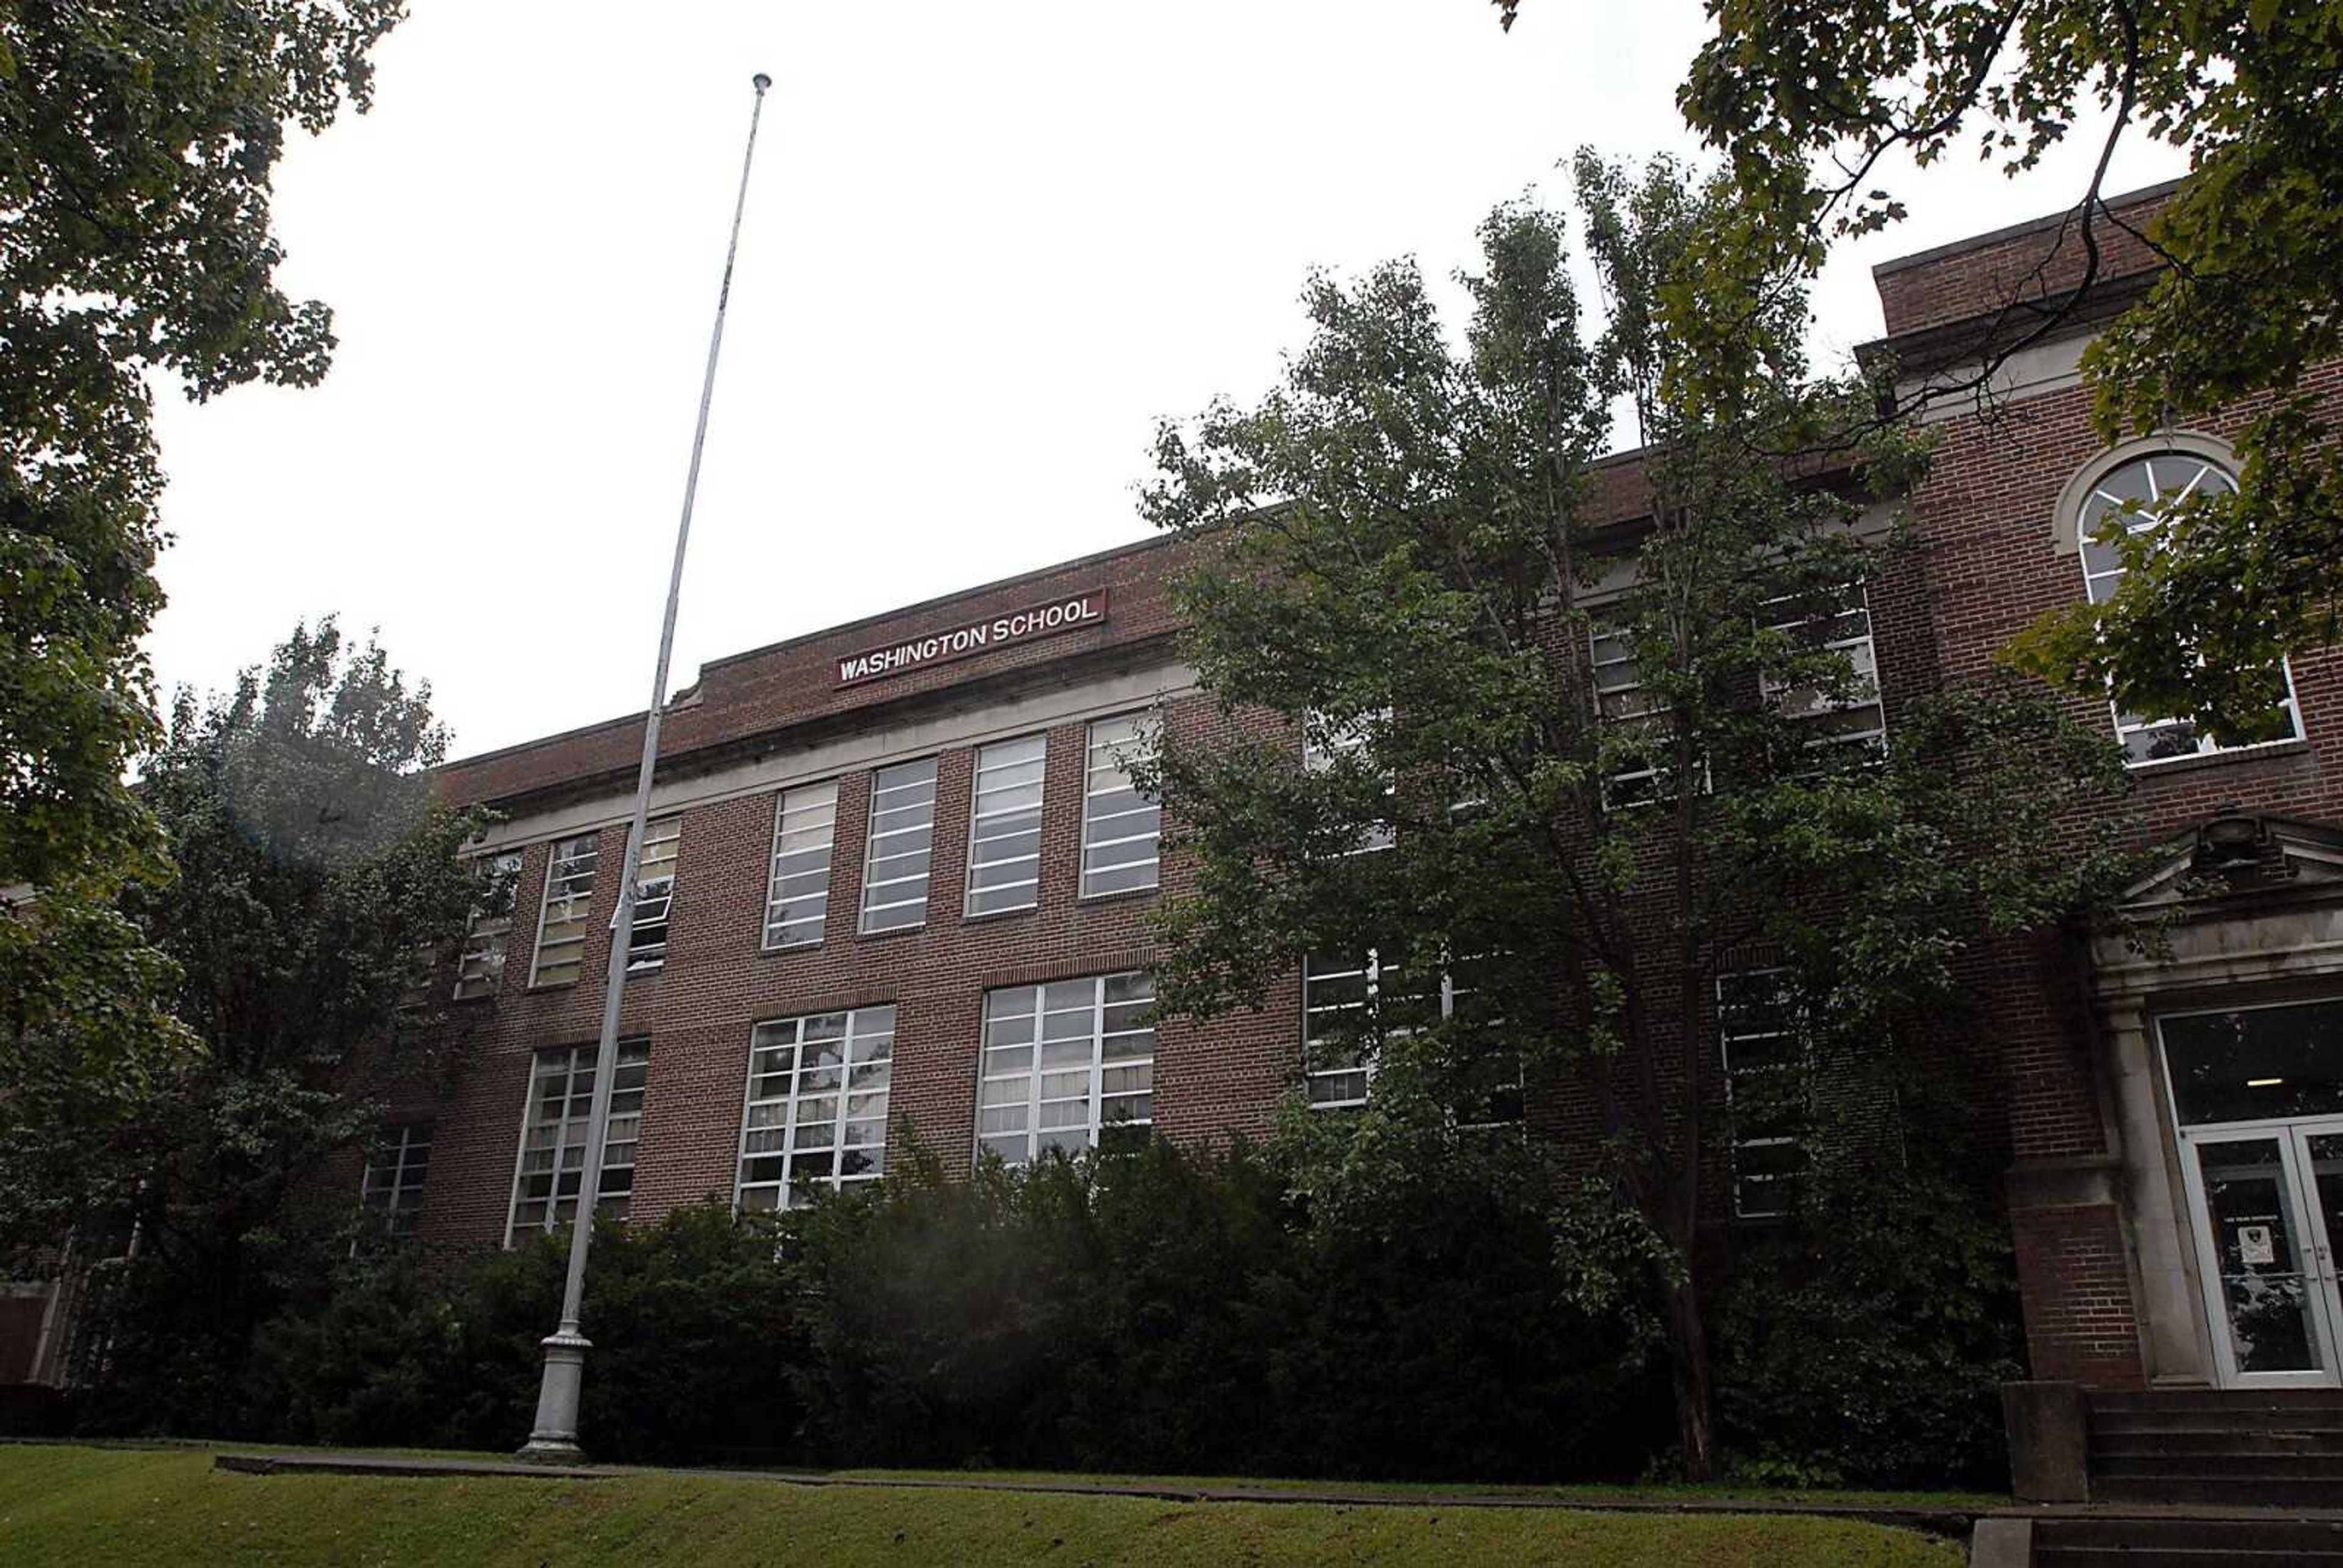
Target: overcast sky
x=987, y=246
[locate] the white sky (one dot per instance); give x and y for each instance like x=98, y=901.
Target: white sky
x=986, y=246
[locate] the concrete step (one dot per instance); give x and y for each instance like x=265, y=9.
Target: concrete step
x=2187, y=1542
x=2215, y=1440
x=2262, y=1460
x=2254, y=1491
x=2270, y=1400
x=2128, y=1423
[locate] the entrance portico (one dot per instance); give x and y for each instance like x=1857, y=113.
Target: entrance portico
x=2224, y=1097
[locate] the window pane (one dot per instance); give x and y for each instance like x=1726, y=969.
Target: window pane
x=820, y=1148
x=1091, y=1065
x=560, y=1108
x=480, y=966
x=563, y=923
x=1004, y=829
x=903, y=836
x=1121, y=826
x=654, y=893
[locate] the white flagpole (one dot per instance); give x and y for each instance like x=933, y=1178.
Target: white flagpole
x=554, y=1439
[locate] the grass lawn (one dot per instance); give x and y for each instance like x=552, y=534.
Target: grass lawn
x=66, y=1506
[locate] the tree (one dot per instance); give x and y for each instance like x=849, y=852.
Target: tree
x=1533, y=820
x=2248, y=304
x=137, y=145
x=316, y=864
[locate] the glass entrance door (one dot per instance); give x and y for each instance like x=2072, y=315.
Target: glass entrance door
x=2257, y=1103
x=2264, y=1204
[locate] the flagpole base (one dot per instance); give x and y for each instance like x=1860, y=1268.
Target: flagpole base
x=554, y=1439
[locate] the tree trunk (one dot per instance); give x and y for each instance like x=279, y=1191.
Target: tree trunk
x=1689, y=1372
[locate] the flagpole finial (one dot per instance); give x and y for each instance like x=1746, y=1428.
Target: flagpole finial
x=762, y=82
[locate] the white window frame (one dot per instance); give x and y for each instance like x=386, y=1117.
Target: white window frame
x=870, y=847
x=866, y=1047
x=804, y=803
x=480, y=962
x=655, y=894
x=1861, y=653
x=1323, y=748
x=998, y=773
x=575, y=899
x=1371, y=1052
x=621, y=1138
x=1727, y=1037
x=391, y=1195
x=1106, y=774
x=1627, y=788
x=1097, y=1087
x=2100, y=585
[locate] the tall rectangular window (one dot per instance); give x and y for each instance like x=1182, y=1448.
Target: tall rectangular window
x=1763, y=1047
x=654, y=893
x=1068, y=1066
x=1350, y=1006
x=1840, y=623
x=1325, y=746
x=902, y=840
x=391, y=1191
x=562, y=924
x=1338, y=1031
x=1628, y=711
x=1004, y=826
x=553, y=1136
x=1122, y=828
x=817, y=1111
x=480, y=966
x=798, y=896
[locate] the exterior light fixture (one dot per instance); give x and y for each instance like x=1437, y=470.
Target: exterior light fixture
x=2264, y=1082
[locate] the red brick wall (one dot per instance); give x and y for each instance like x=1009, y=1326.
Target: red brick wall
x=2076, y=1286
x=1211, y=1080
x=2040, y=259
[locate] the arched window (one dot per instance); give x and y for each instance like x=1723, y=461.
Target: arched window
x=2133, y=491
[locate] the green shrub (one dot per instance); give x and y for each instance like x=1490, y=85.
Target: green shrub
x=1865, y=1342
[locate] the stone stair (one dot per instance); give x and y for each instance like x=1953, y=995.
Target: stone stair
x=2268, y=1448
x=2254, y=1479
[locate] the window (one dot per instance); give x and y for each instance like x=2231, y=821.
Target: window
x=798, y=898
x=654, y=893
x=1761, y=1041
x=480, y=967
x=1338, y=1029
x=1067, y=1066
x=1122, y=828
x=1623, y=706
x=1323, y=748
x=1835, y=622
x=1350, y=1007
x=902, y=834
x=1004, y=826
x=2133, y=498
x=391, y=1191
x=817, y=1111
x=562, y=924
x=553, y=1136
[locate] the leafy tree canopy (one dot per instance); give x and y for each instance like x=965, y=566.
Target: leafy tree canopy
x=317, y=866
x=1578, y=737
x=136, y=148
x=2249, y=305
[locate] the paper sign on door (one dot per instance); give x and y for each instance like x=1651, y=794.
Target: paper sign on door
x=2257, y=1246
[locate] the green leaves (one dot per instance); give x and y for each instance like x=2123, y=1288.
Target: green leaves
x=137, y=145
x=2249, y=301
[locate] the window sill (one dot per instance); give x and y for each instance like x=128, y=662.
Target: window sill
x=2154, y=766
x=972, y=919
x=1119, y=894
x=775, y=950
x=535, y=985
x=890, y=931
